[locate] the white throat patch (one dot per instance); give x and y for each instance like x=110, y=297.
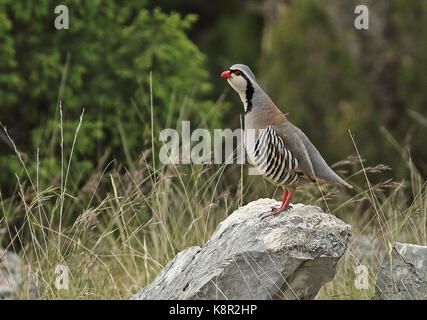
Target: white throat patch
x=239, y=84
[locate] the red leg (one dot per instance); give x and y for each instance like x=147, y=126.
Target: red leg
x=285, y=204
x=285, y=196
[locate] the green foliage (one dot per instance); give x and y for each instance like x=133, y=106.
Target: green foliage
x=330, y=77
x=412, y=44
x=313, y=79
x=102, y=63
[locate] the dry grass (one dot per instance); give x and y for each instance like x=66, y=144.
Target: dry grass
x=123, y=226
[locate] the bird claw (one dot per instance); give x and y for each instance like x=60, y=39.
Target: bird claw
x=274, y=211
x=270, y=211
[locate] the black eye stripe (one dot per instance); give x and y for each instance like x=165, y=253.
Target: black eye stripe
x=240, y=73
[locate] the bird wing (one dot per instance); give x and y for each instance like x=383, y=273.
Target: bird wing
x=310, y=161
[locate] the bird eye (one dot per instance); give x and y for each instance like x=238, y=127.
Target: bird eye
x=237, y=73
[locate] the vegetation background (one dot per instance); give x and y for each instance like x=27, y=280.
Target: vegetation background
x=87, y=190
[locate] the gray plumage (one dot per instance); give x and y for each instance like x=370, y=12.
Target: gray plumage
x=280, y=151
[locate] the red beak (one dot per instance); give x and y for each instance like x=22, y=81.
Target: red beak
x=226, y=74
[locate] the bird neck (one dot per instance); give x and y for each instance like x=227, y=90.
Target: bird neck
x=261, y=111
x=247, y=97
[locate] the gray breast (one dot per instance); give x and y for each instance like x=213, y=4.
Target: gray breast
x=273, y=160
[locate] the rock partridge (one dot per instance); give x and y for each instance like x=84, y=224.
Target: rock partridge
x=280, y=151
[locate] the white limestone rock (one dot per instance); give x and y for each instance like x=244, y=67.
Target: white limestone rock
x=289, y=256
x=403, y=273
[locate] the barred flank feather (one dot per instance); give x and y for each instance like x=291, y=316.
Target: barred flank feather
x=273, y=159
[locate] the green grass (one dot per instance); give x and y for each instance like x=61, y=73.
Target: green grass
x=119, y=229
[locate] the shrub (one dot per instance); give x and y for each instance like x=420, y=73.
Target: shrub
x=102, y=63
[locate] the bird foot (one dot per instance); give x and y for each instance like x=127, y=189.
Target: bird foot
x=275, y=211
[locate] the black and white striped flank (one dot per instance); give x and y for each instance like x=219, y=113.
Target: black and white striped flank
x=273, y=159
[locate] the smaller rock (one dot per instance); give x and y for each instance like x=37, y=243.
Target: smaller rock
x=15, y=278
x=403, y=274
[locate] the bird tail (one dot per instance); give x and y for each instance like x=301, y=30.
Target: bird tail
x=345, y=184
x=335, y=179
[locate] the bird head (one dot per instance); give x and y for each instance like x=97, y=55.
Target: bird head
x=240, y=77
x=243, y=81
